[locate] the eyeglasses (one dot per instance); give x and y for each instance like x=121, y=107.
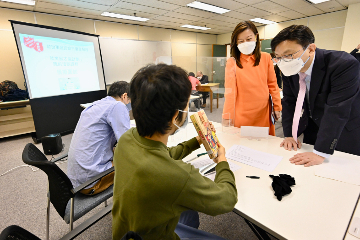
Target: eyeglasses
x=285, y=58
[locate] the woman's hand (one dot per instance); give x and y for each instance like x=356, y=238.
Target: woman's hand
x=277, y=115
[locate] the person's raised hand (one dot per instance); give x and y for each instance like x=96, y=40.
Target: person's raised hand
x=358, y=47
x=220, y=154
x=288, y=143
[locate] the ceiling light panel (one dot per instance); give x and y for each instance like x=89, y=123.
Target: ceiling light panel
x=194, y=12
x=25, y=2
x=317, y=1
x=207, y=7
x=195, y=27
x=228, y=4
x=263, y=21
x=127, y=17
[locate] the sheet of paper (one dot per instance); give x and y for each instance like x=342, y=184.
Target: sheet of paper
x=248, y=156
x=255, y=132
x=340, y=169
x=205, y=160
x=85, y=105
x=132, y=123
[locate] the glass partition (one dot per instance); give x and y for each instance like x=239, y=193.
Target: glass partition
x=213, y=93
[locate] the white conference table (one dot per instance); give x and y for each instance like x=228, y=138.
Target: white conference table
x=318, y=208
x=356, y=215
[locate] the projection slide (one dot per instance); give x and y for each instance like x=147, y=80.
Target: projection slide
x=58, y=66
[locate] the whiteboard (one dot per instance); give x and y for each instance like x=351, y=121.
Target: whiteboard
x=122, y=58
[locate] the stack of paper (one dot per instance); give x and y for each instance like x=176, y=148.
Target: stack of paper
x=264, y=161
x=205, y=163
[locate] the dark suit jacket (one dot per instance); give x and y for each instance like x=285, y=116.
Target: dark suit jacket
x=204, y=79
x=334, y=102
x=355, y=54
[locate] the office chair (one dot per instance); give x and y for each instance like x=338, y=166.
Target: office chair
x=15, y=232
x=68, y=201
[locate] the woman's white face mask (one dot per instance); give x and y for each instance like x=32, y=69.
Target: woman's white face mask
x=247, y=48
x=293, y=66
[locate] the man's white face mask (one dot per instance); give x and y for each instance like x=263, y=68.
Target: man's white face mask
x=293, y=66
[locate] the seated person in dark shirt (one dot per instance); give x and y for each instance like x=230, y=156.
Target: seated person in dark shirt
x=203, y=79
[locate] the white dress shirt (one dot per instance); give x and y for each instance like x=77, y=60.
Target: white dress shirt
x=307, y=82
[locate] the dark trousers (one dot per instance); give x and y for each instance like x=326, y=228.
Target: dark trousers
x=196, y=101
x=187, y=226
x=310, y=133
x=204, y=96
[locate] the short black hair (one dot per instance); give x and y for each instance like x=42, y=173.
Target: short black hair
x=191, y=74
x=157, y=92
x=117, y=89
x=299, y=33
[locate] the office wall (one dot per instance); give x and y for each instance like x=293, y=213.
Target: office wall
x=327, y=28
x=186, y=46
x=351, y=37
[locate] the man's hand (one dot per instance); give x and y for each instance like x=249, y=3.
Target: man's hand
x=307, y=159
x=221, y=154
x=358, y=47
x=277, y=115
x=288, y=143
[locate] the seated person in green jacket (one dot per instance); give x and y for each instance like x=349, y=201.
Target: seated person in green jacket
x=156, y=194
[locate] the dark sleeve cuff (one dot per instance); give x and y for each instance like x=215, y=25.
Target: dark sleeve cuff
x=353, y=52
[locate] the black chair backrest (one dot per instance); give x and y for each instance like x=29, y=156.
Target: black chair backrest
x=60, y=185
x=15, y=232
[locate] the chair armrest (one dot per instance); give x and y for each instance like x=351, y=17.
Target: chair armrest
x=94, y=179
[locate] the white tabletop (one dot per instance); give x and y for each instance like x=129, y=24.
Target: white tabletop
x=318, y=208
x=356, y=215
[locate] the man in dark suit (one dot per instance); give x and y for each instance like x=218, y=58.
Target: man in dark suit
x=355, y=53
x=203, y=79
x=321, y=96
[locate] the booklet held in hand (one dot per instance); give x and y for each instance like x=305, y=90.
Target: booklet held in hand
x=207, y=136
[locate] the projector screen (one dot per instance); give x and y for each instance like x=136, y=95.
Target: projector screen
x=58, y=62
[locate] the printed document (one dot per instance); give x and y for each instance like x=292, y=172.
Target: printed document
x=248, y=156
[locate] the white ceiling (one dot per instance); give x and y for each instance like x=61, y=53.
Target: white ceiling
x=174, y=13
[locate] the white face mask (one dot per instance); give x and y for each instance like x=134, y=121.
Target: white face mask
x=184, y=124
x=293, y=66
x=247, y=47
x=199, y=78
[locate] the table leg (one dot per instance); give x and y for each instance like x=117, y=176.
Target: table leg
x=217, y=105
x=260, y=233
x=211, y=99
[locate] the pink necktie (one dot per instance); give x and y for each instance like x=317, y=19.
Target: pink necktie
x=299, y=104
